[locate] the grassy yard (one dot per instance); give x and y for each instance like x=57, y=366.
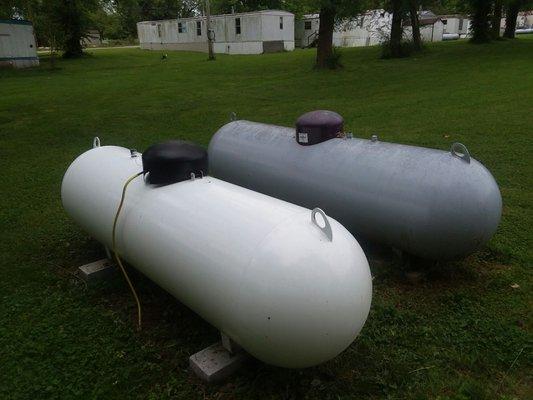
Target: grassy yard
x=462, y=332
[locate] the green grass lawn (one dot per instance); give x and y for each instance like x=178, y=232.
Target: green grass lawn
x=462, y=332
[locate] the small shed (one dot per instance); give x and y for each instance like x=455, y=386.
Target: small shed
x=241, y=33
x=456, y=24
x=17, y=44
x=431, y=29
x=92, y=39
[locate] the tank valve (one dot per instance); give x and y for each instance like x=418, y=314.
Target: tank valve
x=134, y=153
x=374, y=138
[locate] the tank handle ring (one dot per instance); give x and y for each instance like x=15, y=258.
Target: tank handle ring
x=233, y=116
x=96, y=142
x=327, y=227
x=460, y=150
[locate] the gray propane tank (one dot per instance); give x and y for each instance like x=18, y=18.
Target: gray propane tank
x=434, y=204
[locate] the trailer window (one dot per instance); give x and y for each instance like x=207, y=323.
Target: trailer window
x=198, y=28
x=237, y=26
x=181, y=28
x=461, y=24
x=158, y=30
x=308, y=25
x=281, y=23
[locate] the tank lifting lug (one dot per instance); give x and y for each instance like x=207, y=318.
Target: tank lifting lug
x=326, y=229
x=459, y=150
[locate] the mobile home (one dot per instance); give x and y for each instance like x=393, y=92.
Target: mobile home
x=243, y=33
x=17, y=44
x=367, y=29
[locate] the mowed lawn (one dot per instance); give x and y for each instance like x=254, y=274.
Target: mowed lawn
x=463, y=331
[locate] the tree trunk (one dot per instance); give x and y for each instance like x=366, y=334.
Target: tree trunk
x=415, y=25
x=480, y=21
x=324, y=49
x=52, y=45
x=496, y=19
x=73, y=48
x=396, y=32
x=71, y=21
x=511, y=14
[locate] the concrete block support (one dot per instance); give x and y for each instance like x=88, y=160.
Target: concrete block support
x=216, y=363
x=96, y=270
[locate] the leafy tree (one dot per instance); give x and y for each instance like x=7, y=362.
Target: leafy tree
x=440, y=7
x=105, y=20
x=72, y=19
x=58, y=23
x=298, y=7
x=132, y=11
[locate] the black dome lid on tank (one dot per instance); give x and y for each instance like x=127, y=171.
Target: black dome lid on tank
x=174, y=161
x=318, y=126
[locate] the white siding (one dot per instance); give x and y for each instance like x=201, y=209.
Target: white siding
x=272, y=31
x=304, y=37
x=17, y=44
x=456, y=24
x=255, y=29
x=369, y=29
x=428, y=33
x=364, y=30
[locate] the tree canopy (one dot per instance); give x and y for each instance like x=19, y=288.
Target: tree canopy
x=64, y=23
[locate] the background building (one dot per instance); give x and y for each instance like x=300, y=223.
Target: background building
x=456, y=24
x=17, y=44
x=368, y=29
x=244, y=33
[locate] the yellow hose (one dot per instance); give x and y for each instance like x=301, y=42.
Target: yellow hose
x=117, y=257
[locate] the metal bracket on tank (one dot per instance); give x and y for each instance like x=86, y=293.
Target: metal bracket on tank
x=96, y=142
x=459, y=150
x=327, y=227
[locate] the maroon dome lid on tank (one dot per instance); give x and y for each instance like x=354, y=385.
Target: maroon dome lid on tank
x=318, y=126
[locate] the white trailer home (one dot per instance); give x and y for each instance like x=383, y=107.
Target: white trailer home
x=17, y=44
x=368, y=29
x=244, y=33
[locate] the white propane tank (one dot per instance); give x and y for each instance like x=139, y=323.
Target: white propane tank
x=263, y=271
